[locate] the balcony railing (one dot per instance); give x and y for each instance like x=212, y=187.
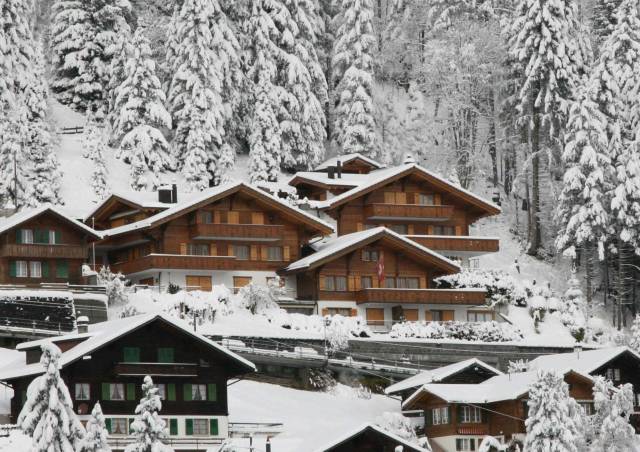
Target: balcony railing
x=43, y=251
x=431, y=296
x=414, y=212
x=473, y=429
x=463, y=244
x=251, y=232
x=157, y=369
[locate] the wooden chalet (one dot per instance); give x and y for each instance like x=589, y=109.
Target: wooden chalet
x=383, y=277
x=43, y=245
x=371, y=438
x=458, y=416
x=232, y=234
x=107, y=362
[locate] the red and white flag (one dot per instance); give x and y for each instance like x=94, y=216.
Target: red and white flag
x=380, y=270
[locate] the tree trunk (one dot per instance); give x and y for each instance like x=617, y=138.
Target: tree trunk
x=492, y=139
x=535, y=236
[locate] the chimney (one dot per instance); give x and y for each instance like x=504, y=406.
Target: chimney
x=408, y=158
x=165, y=194
x=83, y=324
x=331, y=172
x=174, y=193
x=339, y=169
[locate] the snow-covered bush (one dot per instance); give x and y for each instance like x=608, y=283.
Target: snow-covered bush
x=469, y=331
x=517, y=366
x=96, y=438
x=148, y=428
x=491, y=444
x=399, y=425
x=572, y=310
x=610, y=423
x=502, y=289
x=259, y=299
x=114, y=284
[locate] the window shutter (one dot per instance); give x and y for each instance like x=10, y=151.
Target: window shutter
x=187, y=392
x=374, y=282
x=430, y=230
x=410, y=229
x=359, y=227
x=183, y=249
x=351, y=284
x=428, y=316
x=230, y=250
x=213, y=249
x=131, y=419
x=212, y=392
x=437, y=199
x=171, y=392
x=58, y=236
x=213, y=427
x=428, y=417
x=105, y=391
x=321, y=280
x=459, y=414
x=325, y=311
x=264, y=253
x=173, y=426
x=44, y=266
x=12, y=269
x=257, y=218
x=389, y=197
x=354, y=312
x=286, y=252
x=62, y=269
x=233, y=217
x=401, y=198
x=254, y=252
x=131, y=391
x=107, y=424
x=458, y=230
x=44, y=236
x=18, y=236
x=423, y=282
x=356, y=283
x=188, y=423
x=165, y=355
x=449, y=414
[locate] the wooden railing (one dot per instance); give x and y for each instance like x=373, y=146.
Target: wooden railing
x=155, y=369
x=431, y=296
x=35, y=250
x=458, y=243
x=175, y=262
x=473, y=429
x=413, y=211
x=257, y=232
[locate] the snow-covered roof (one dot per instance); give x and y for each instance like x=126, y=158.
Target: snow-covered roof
x=219, y=191
x=27, y=214
x=401, y=441
x=347, y=179
x=346, y=158
x=584, y=361
x=380, y=176
x=437, y=375
x=99, y=335
x=337, y=245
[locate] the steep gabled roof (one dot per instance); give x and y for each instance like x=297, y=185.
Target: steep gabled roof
x=383, y=177
x=408, y=447
x=439, y=374
x=136, y=200
x=214, y=194
x=585, y=361
x=25, y=215
x=348, y=158
x=322, y=180
x=101, y=334
x=331, y=249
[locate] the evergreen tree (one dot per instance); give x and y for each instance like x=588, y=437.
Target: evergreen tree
x=416, y=132
x=148, y=428
x=545, y=44
x=550, y=425
x=47, y=415
x=634, y=341
x=352, y=66
x=15, y=167
x=122, y=51
x=141, y=115
x=96, y=438
x=611, y=426
x=603, y=17
x=195, y=94
x=94, y=143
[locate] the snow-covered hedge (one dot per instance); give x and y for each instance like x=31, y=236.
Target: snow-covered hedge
x=470, y=331
x=502, y=288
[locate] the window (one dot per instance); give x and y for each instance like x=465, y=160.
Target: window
x=479, y=316
x=21, y=269
x=198, y=392
x=425, y=200
x=83, y=391
x=165, y=355
x=25, y=236
x=116, y=391
x=465, y=444
x=437, y=316
x=390, y=282
x=370, y=255
x=366, y=282
x=241, y=252
x=206, y=217
x=399, y=228
x=197, y=249
x=587, y=407
x=62, y=269
x=440, y=416
x=200, y=427
x=346, y=312
x=444, y=230
x=335, y=283
x=408, y=283
x=274, y=253
x=53, y=237
x=118, y=426
x=35, y=269
x=341, y=283
x=470, y=415
x=272, y=280
x=637, y=399
x=131, y=354
x=613, y=374
x=239, y=282
x=162, y=391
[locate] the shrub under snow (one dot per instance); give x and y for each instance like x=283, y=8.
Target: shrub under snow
x=502, y=288
x=470, y=331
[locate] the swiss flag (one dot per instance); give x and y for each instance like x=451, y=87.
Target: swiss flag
x=380, y=269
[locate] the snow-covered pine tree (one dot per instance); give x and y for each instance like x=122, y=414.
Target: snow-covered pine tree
x=96, y=438
x=122, y=51
x=141, y=116
x=195, y=94
x=417, y=139
x=545, y=44
x=611, y=426
x=94, y=144
x=549, y=425
x=352, y=72
x=47, y=415
x=148, y=428
x=634, y=341
x=603, y=17
x=265, y=141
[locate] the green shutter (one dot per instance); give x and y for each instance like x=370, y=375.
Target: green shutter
x=189, y=426
x=105, y=391
x=18, y=236
x=131, y=391
x=173, y=426
x=187, y=392
x=450, y=421
x=212, y=392
x=24, y=396
x=44, y=235
x=131, y=355
x=12, y=269
x=165, y=355
x=428, y=417
x=58, y=236
x=213, y=427
x=171, y=392
x=45, y=269
x=62, y=269
x=107, y=424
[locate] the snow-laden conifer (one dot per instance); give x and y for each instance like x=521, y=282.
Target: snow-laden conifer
x=148, y=428
x=47, y=415
x=16, y=50
x=634, y=341
x=417, y=138
x=95, y=439
x=611, y=428
x=142, y=117
x=603, y=17
x=94, y=144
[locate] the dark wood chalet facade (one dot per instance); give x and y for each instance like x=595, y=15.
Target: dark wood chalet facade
x=371, y=438
x=109, y=361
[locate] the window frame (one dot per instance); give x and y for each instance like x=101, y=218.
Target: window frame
x=86, y=386
x=27, y=236
x=367, y=285
x=341, y=284
x=35, y=269
x=245, y=256
x=470, y=415
x=465, y=444
x=440, y=415
x=119, y=420
x=122, y=392
x=162, y=391
x=203, y=391
x=424, y=197
x=22, y=265
x=202, y=421
x=278, y=254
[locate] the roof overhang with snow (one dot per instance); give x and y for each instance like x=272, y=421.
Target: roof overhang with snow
x=15, y=220
x=355, y=157
x=371, y=428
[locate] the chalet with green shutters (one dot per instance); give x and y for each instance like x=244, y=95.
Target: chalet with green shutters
x=107, y=362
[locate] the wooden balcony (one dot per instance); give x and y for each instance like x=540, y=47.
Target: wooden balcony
x=175, y=262
x=458, y=244
x=422, y=296
x=246, y=232
x=413, y=212
x=473, y=429
x=43, y=251
x=157, y=369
